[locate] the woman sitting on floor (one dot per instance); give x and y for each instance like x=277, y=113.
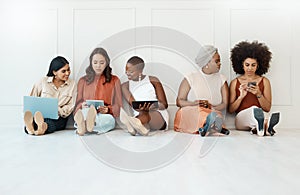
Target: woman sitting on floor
x=98, y=84
x=56, y=84
x=143, y=87
x=210, y=90
x=250, y=93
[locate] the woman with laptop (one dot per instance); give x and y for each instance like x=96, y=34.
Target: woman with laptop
x=56, y=84
x=98, y=86
x=146, y=95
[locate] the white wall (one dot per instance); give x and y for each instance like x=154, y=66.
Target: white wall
x=32, y=33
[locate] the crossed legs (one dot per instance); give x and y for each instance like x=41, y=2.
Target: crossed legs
x=143, y=123
x=253, y=118
x=153, y=119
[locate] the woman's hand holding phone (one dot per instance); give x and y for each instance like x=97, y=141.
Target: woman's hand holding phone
x=204, y=104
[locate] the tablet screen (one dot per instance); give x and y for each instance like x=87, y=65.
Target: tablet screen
x=136, y=104
x=96, y=103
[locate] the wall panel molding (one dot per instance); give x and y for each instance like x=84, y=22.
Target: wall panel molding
x=261, y=25
x=90, y=29
x=29, y=39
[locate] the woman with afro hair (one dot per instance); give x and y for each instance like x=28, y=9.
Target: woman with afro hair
x=250, y=93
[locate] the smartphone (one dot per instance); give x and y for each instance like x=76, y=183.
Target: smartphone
x=251, y=84
x=203, y=103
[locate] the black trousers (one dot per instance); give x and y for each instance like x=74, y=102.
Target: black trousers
x=53, y=124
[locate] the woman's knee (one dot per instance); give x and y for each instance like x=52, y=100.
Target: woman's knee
x=157, y=121
x=106, y=120
x=51, y=127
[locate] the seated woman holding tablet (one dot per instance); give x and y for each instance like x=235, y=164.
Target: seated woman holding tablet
x=98, y=84
x=56, y=84
x=147, y=97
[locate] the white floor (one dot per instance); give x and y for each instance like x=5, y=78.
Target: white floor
x=163, y=163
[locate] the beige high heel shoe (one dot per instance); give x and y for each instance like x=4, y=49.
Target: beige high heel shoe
x=28, y=120
x=90, y=118
x=124, y=118
x=79, y=119
x=39, y=120
x=138, y=126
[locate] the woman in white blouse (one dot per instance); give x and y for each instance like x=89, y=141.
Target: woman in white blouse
x=141, y=87
x=56, y=84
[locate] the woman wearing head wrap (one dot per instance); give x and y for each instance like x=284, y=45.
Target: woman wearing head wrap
x=202, y=96
x=250, y=93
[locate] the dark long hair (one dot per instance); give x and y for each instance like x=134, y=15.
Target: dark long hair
x=56, y=64
x=90, y=73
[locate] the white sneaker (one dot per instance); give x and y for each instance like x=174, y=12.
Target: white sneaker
x=124, y=118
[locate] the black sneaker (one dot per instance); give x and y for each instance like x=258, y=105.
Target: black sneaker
x=253, y=131
x=259, y=116
x=274, y=119
x=202, y=132
x=225, y=131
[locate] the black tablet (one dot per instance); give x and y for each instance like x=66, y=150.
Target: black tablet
x=136, y=104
